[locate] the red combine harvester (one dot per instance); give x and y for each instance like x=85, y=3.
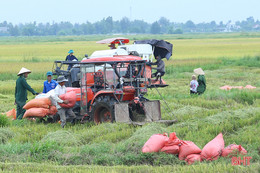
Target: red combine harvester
x=112, y=89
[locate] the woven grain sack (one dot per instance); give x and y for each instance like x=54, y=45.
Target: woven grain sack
x=190, y=159
x=172, y=149
x=213, y=149
x=11, y=114
x=172, y=145
x=155, y=143
x=38, y=103
x=71, y=97
x=53, y=110
x=36, y=112
x=187, y=148
x=233, y=150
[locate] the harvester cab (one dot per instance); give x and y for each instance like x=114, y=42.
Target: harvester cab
x=60, y=68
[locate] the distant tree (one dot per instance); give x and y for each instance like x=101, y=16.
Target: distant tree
x=163, y=21
x=124, y=23
x=29, y=29
x=109, y=24
x=139, y=26
x=190, y=25
x=178, y=31
x=87, y=28
x=248, y=24
x=164, y=24
x=213, y=24
x=155, y=28
x=61, y=33
x=3, y=24
x=250, y=20
x=221, y=24
x=13, y=30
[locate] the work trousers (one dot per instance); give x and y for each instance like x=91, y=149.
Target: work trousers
x=62, y=113
x=20, y=111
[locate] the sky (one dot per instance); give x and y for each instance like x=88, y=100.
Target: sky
x=80, y=11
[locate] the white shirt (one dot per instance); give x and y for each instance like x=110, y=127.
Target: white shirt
x=59, y=90
x=194, y=85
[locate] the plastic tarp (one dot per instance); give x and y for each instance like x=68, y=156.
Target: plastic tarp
x=161, y=47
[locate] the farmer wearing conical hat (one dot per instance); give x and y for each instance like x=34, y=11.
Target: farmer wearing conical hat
x=21, y=92
x=201, y=80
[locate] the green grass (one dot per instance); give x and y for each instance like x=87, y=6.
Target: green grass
x=35, y=147
x=47, y=167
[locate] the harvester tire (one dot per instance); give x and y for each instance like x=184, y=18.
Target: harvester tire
x=103, y=110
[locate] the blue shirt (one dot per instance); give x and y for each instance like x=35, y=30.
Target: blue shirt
x=70, y=58
x=47, y=86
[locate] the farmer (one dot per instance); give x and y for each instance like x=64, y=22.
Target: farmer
x=59, y=90
x=49, y=84
x=70, y=57
x=74, y=75
x=201, y=80
x=160, y=67
x=21, y=92
x=193, y=85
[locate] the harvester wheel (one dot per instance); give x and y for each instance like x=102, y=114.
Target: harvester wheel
x=103, y=109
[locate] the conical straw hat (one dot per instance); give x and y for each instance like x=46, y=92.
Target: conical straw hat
x=23, y=70
x=199, y=71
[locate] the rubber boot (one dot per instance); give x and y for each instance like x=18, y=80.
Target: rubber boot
x=73, y=121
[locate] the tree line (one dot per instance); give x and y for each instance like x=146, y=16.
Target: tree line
x=125, y=26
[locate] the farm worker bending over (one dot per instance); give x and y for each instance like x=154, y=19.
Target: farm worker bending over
x=21, y=92
x=160, y=67
x=201, y=80
x=59, y=90
x=70, y=57
x=49, y=84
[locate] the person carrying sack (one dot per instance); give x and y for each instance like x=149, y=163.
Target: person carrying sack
x=59, y=90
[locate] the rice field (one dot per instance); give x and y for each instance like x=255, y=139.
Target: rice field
x=228, y=59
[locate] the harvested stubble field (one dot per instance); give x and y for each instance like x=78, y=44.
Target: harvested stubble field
x=228, y=59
